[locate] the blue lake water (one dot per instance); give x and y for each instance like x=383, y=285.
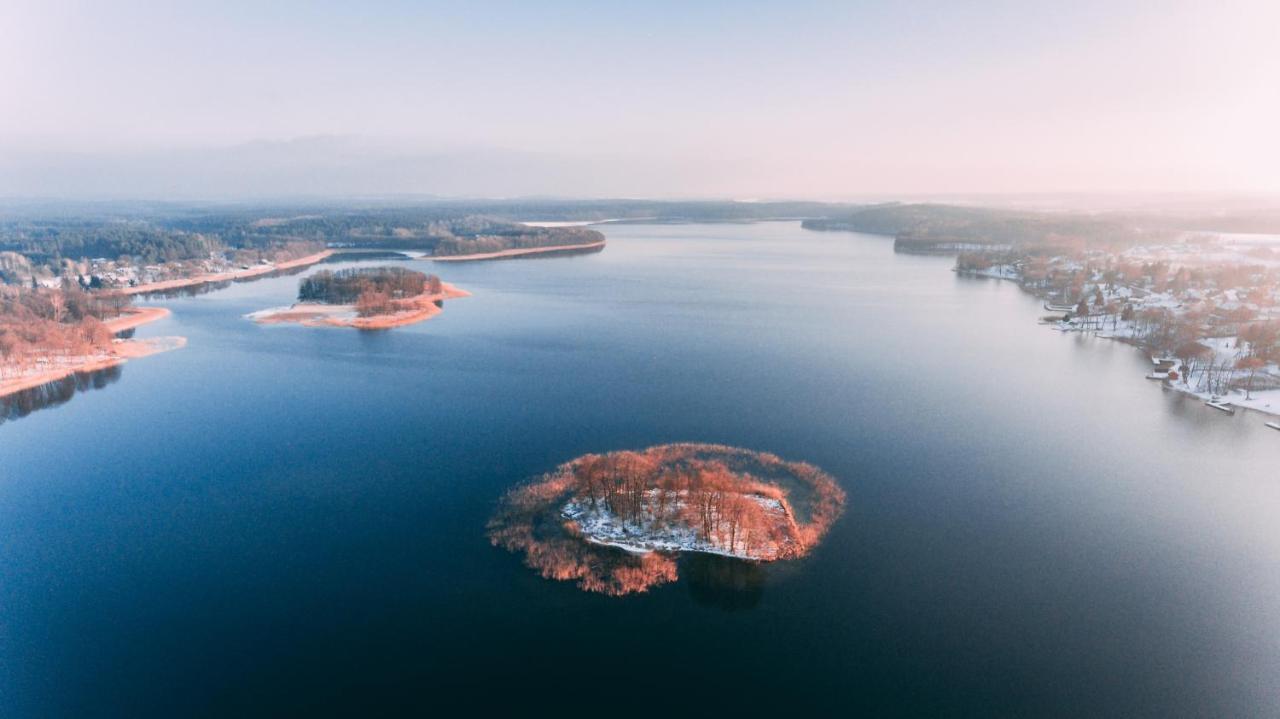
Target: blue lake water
x=280, y=519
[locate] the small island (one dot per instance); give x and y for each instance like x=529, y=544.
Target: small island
x=615, y=523
x=372, y=298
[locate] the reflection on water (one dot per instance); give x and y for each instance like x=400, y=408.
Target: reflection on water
x=364, y=255
x=723, y=582
x=300, y=521
x=205, y=288
x=189, y=291
x=52, y=394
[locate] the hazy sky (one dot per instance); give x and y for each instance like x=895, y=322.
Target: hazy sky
x=731, y=99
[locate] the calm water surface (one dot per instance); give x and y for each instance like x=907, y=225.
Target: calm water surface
x=282, y=519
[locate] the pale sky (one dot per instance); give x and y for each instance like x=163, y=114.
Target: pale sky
x=662, y=99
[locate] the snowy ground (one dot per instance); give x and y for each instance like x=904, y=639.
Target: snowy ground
x=1265, y=401
x=600, y=526
x=1000, y=272
x=1225, y=350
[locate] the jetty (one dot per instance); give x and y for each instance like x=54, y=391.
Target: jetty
x=1223, y=406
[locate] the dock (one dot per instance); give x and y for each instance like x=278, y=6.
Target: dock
x=1223, y=406
x=1273, y=425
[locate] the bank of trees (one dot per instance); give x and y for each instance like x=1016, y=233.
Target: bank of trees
x=345, y=287
x=721, y=493
x=48, y=244
x=373, y=290
x=525, y=238
x=45, y=324
x=704, y=496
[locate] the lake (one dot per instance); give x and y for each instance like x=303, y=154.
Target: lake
x=279, y=519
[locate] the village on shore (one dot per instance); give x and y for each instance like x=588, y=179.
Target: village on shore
x=1205, y=307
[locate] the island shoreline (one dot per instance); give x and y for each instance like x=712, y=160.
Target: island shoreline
x=523, y=252
x=314, y=314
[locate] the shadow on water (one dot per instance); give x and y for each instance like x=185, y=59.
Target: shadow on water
x=723, y=582
x=195, y=290
x=362, y=256
x=20, y=404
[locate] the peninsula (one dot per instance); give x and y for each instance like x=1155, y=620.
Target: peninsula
x=47, y=335
x=524, y=252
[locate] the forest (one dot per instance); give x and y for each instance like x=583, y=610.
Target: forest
x=39, y=323
x=48, y=240
x=373, y=290
x=531, y=238
x=48, y=244
x=661, y=501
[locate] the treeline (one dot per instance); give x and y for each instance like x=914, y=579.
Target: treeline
x=154, y=233
x=37, y=324
x=529, y=239
x=714, y=490
x=50, y=244
x=373, y=290
x=302, y=217
x=703, y=495
x=528, y=521
x=398, y=229
x=924, y=225
x=63, y=249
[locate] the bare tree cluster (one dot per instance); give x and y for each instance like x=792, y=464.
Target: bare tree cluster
x=38, y=324
x=374, y=291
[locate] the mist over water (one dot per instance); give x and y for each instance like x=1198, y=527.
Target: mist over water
x=289, y=519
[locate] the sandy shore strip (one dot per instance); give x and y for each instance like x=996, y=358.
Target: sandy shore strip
x=226, y=276
x=316, y=314
x=135, y=317
x=521, y=252
x=121, y=352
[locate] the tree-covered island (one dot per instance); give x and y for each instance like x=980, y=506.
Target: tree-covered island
x=615, y=523
x=364, y=298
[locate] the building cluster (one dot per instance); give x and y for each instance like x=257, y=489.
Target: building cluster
x=1214, y=303
x=115, y=274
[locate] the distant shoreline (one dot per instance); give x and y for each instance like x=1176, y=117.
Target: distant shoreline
x=521, y=252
